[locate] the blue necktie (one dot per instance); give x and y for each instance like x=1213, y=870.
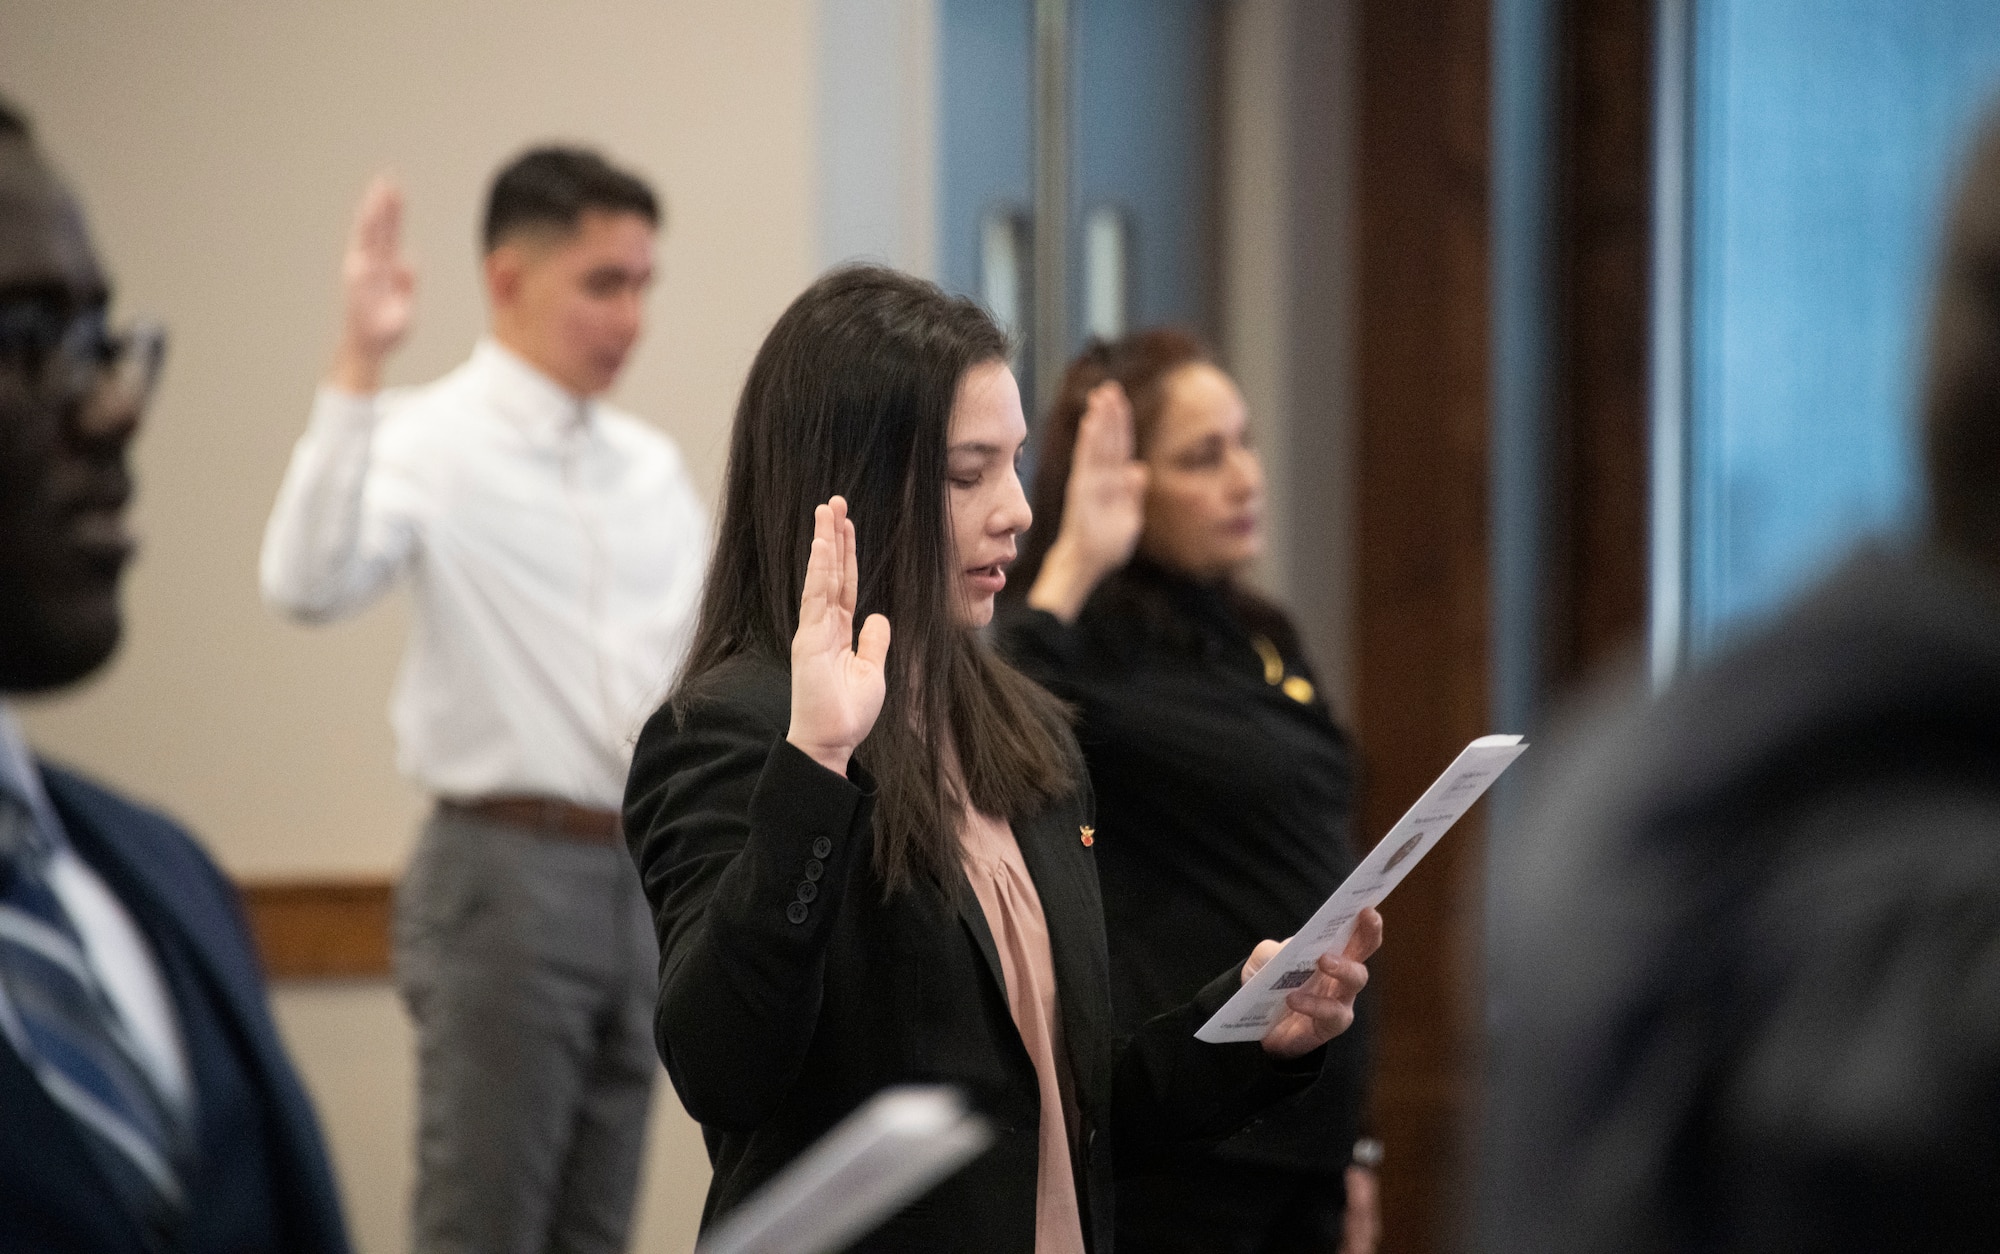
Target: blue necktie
x=58, y=1017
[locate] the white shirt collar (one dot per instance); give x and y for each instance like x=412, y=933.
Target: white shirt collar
x=18, y=773
x=535, y=403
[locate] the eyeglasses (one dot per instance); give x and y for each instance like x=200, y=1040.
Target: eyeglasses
x=80, y=355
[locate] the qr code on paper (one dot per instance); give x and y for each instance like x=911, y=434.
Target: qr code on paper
x=1293, y=979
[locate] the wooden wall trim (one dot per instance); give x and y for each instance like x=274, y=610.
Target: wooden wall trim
x=1422, y=594
x=320, y=928
x=1596, y=590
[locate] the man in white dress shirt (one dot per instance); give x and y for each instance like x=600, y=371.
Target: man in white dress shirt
x=553, y=550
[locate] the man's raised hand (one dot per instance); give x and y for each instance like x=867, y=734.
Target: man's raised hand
x=378, y=287
x=837, y=684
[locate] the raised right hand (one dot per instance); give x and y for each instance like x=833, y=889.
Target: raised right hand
x=1104, y=507
x=837, y=686
x=379, y=287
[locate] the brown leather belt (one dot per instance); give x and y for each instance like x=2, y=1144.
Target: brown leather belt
x=544, y=816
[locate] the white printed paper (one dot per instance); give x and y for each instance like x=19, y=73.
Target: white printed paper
x=877, y=1160
x=1261, y=1002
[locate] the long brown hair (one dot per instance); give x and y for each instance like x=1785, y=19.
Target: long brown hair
x=852, y=393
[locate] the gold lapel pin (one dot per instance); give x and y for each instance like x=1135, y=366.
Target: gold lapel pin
x=1297, y=687
x=1089, y=835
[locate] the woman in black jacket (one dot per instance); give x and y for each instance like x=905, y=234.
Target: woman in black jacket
x=872, y=865
x=1224, y=788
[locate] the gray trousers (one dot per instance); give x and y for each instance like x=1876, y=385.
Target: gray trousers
x=529, y=966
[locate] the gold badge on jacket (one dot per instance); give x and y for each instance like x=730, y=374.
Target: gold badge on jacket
x=1297, y=687
x=1089, y=835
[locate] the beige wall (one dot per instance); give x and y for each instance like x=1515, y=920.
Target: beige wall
x=1287, y=296
x=218, y=147
x=877, y=133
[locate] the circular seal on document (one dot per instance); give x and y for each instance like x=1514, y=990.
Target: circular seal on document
x=1408, y=847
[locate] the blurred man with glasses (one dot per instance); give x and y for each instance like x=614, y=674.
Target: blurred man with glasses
x=145, y=1101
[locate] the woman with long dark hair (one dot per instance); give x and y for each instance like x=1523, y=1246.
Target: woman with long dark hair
x=871, y=862
x=1224, y=787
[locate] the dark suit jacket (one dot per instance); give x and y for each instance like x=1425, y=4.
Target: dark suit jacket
x=261, y=1180
x=1224, y=805
x=774, y=1023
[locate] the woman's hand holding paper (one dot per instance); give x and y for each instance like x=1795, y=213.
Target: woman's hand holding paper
x=1323, y=1007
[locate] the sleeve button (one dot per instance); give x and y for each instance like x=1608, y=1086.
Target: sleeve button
x=815, y=869
x=796, y=912
x=808, y=891
x=822, y=847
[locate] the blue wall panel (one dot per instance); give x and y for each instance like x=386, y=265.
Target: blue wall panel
x=986, y=131
x=1143, y=139
x=1825, y=138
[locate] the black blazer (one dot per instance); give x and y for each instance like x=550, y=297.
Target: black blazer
x=791, y=990
x=1225, y=795
x=261, y=1180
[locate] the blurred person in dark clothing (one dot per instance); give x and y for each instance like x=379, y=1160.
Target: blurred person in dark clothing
x=1746, y=966
x=1224, y=787
x=146, y=1103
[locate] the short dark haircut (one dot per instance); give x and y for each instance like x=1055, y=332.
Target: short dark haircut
x=1962, y=390
x=852, y=392
x=13, y=122
x=554, y=186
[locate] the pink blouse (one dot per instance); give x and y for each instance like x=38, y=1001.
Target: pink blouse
x=1013, y=912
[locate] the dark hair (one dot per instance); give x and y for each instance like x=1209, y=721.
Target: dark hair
x=852, y=393
x=13, y=122
x=555, y=187
x=1962, y=392
x=1141, y=363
